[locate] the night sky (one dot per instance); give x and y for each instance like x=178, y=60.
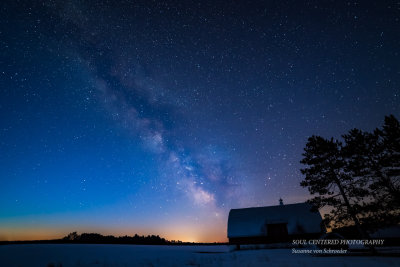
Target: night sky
x=153, y=117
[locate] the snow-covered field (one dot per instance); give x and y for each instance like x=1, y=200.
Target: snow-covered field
x=138, y=255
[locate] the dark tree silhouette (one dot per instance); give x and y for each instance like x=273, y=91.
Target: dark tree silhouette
x=387, y=171
x=94, y=238
x=357, y=179
x=71, y=236
x=326, y=178
x=384, y=176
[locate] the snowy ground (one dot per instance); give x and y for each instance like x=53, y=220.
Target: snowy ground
x=137, y=255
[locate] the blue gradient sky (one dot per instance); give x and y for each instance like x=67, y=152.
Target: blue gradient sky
x=155, y=117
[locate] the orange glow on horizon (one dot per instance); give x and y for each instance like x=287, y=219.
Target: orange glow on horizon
x=178, y=233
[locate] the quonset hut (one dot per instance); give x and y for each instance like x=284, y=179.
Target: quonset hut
x=274, y=224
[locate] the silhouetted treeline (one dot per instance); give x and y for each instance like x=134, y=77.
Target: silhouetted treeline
x=94, y=238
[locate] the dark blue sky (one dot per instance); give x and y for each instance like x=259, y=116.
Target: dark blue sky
x=156, y=117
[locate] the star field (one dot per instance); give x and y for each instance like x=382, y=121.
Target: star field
x=158, y=117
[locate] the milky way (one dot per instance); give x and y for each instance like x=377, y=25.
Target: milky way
x=156, y=117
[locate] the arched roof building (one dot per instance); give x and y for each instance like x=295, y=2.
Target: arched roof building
x=274, y=223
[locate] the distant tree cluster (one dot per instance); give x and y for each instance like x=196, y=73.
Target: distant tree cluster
x=357, y=178
x=95, y=238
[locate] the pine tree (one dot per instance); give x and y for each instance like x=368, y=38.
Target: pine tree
x=359, y=179
x=358, y=153
x=384, y=176
x=388, y=172
x=326, y=177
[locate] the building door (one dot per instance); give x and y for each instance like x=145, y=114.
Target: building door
x=277, y=231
